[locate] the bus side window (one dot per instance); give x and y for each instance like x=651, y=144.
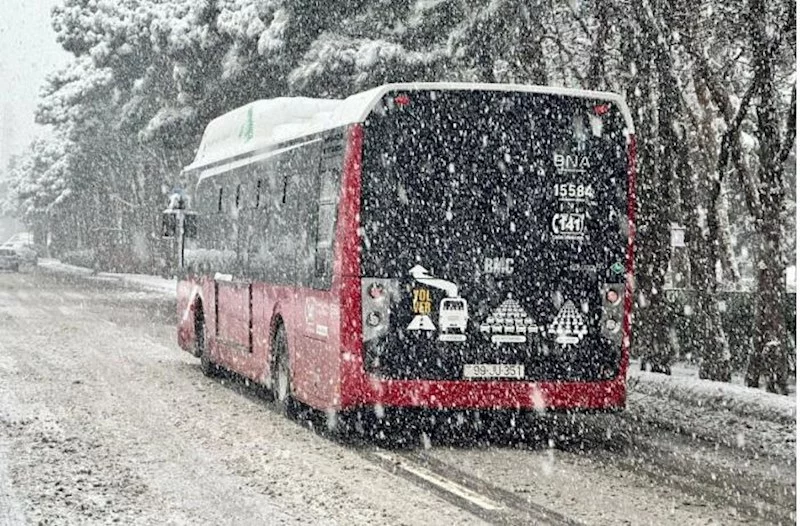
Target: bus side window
x=277, y=240
x=198, y=249
x=327, y=204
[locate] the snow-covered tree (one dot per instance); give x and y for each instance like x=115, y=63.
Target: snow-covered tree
x=709, y=83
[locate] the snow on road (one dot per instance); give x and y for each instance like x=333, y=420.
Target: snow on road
x=102, y=418
x=10, y=508
x=106, y=420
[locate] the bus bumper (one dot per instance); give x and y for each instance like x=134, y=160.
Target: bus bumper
x=544, y=396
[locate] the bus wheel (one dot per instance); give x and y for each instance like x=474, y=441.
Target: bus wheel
x=208, y=367
x=282, y=373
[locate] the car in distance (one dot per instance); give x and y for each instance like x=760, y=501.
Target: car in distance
x=26, y=254
x=9, y=260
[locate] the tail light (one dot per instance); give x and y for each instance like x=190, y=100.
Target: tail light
x=611, y=322
x=376, y=290
x=374, y=319
x=612, y=297
x=377, y=297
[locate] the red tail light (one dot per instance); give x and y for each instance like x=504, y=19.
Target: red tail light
x=601, y=109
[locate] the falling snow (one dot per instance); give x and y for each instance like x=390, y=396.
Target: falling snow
x=441, y=262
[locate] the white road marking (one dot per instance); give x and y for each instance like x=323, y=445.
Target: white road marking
x=443, y=483
x=10, y=507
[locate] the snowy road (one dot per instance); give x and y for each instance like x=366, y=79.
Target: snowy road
x=103, y=419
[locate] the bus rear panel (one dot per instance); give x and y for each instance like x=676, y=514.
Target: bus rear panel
x=495, y=252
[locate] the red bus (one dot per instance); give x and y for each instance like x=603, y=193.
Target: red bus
x=428, y=245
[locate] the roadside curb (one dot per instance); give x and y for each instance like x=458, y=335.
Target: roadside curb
x=145, y=282
x=743, y=401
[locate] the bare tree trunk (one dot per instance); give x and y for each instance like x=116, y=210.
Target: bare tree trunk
x=699, y=189
x=770, y=351
x=708, y=248
x=700, y=193
x=596, y=74
x=652, y=255
x=528, y=55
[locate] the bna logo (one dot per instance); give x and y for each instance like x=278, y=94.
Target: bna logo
x=571, y=163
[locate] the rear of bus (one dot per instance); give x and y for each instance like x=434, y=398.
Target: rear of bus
x=496, y=244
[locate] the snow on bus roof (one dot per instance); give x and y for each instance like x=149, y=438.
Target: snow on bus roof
x=265, y=123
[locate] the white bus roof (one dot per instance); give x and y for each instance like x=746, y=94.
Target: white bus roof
x=265, y=123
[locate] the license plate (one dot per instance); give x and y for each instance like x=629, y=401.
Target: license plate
x=494, y=370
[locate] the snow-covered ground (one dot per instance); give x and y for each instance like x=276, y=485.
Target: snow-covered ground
x=143, y=281
x=10, y=508
x=723, y=412
x=685, y=386
x=104, y=419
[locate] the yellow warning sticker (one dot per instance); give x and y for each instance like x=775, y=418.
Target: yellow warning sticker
x=422, y=302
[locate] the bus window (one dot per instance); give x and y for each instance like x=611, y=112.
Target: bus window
x=327, y=203
x=324, y=247
x=273, y=249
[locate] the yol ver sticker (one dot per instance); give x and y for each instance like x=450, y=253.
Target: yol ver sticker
x=421, y=306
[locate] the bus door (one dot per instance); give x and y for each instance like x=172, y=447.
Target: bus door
x=234, y=290
x=234, y=313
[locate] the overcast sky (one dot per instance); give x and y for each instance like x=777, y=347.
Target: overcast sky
x=28, y=52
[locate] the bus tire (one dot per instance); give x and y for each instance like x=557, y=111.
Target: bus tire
x=208, y=367
x=281, y=373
